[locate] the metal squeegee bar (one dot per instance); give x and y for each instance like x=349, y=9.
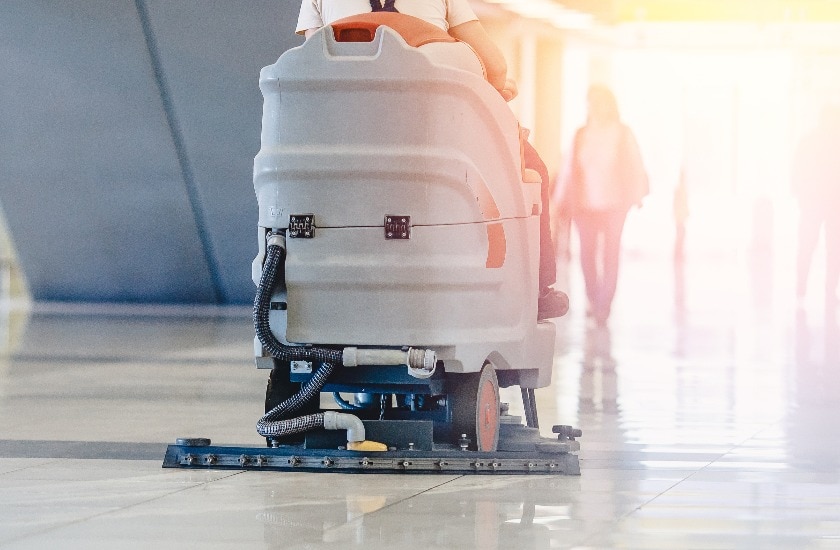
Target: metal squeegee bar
x=299, y=459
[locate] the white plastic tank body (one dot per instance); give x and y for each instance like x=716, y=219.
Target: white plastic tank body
x=354, y=132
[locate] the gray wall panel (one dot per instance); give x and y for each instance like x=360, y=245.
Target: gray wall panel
x=92, y=183
x=211, y=57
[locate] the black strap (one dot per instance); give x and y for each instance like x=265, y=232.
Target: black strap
x=389, y=6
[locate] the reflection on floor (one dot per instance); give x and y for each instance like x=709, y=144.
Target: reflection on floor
x=709, y=409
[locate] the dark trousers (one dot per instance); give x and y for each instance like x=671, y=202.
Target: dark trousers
x=600, y=248
x=548, y=260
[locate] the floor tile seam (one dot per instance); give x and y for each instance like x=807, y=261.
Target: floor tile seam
x=118, y=509
x=70, y=449
x=683, y=480
x=122, y=359
x=696, y=472
x=47, y=462
x=660, y=494
x=732, y=448
x=392, y=504
x=593, y=538
x=767, y=426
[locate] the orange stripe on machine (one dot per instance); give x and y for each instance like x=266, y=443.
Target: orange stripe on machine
x=496, y=245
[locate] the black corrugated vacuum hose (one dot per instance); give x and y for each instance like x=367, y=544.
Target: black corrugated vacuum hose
x=262, y=305
x=289, y=426
x=276, y=422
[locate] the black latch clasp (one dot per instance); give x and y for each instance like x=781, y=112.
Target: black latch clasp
x=302, y=226
x=397, y=227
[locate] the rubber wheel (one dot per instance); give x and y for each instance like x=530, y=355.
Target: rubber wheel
x=475, y=408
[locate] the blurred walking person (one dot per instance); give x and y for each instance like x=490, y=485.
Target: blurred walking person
x=606, y=178
x=816, y=186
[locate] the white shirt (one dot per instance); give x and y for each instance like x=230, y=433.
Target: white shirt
x=315, y=14
x=598, y=155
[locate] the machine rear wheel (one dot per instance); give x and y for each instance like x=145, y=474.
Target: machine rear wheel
x=475, y=408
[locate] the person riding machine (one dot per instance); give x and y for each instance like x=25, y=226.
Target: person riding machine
x=398, y=262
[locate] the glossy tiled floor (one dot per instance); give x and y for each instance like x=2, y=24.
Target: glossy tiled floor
x=716, y=428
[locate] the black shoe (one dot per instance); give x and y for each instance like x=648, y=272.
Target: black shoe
x=552, y=303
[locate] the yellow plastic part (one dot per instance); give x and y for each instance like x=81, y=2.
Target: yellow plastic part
x=366, y=446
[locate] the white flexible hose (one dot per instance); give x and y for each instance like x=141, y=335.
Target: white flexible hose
x=342, y=421
x=420, y=362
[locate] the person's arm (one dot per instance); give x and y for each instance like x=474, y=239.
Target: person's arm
x=473, y=33
x=309, y=18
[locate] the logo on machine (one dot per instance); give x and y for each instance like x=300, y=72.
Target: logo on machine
x=275, y=211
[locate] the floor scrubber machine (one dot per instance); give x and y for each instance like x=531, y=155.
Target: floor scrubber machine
x=397, y=267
